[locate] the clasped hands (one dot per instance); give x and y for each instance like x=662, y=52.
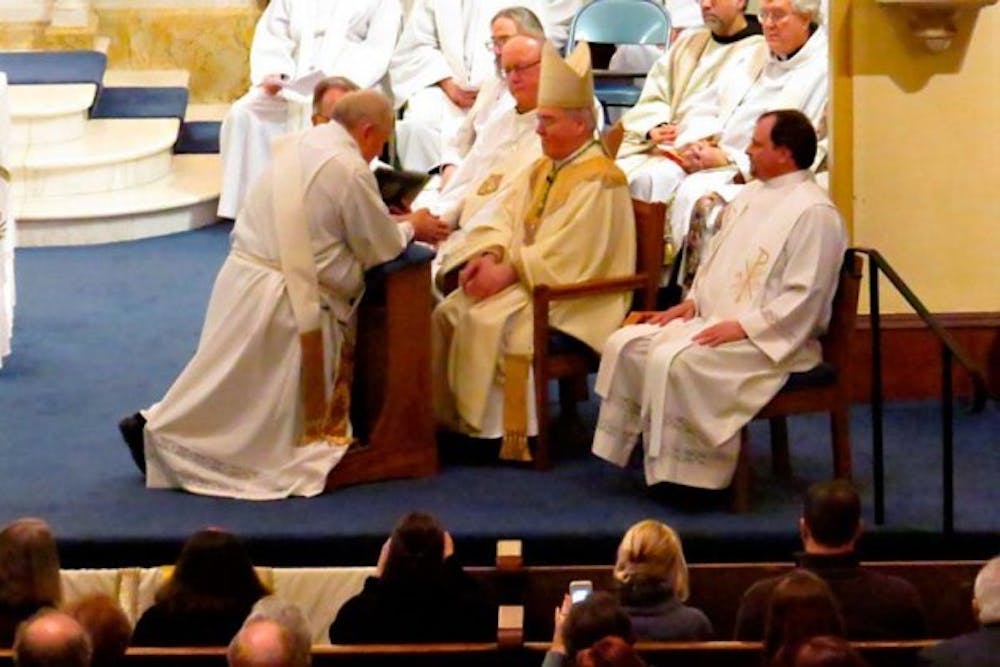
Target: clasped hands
x=484, y=276
x=427, y=227
x=695, y=156
x=726, y=331
x=463, y=98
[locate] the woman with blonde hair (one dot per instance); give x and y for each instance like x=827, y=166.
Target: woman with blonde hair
x=29, y=573
x=652, y=578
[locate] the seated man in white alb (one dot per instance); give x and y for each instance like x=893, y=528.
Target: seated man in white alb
x=790, y=72
x=7, y=242
x=260, y=411
x=296, y=38
x=443, y=58
x=690, y=377
x=493, y=97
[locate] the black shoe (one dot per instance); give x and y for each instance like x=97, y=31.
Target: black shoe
x=131, y=430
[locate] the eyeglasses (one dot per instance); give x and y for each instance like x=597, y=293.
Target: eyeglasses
x=508, y=72
x=497, y=43
x=773, y=16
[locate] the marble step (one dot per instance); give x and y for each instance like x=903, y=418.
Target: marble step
x=153, y=78
x=112, y=154
x=48, y=113
x=206, y=112
x=186, y=198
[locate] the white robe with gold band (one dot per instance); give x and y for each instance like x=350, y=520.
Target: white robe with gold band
x=447, y=39
x=584, y=231
x=774, y=268
x=232, y=424
x=350, y=38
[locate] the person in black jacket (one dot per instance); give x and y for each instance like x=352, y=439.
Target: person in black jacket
x=205, y=601
x=419, y=593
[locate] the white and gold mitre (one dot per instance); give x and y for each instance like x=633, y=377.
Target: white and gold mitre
x=566, y=84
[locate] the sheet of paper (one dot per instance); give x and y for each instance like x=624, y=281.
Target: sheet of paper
x=305, y=84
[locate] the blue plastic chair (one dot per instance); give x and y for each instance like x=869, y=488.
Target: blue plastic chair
x=619, y=22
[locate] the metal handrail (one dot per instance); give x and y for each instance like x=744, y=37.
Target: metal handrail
x=950, y=350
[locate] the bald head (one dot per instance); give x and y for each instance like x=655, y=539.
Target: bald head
x=987, y=592
x=520, y=62
x=265, y=643
x=367, y=116
x=51, y=639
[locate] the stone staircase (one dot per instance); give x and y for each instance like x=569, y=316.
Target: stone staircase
x=82, y=180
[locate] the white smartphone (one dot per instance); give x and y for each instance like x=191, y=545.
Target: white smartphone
x=580, y=590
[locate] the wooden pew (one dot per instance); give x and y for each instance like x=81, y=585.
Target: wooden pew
x=945, y=588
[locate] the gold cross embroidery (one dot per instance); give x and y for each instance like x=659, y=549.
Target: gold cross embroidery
x=746, y=280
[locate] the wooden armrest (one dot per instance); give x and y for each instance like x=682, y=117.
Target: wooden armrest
x=510, y=626
x=637, y=317
x=589, y=288
x=509, y=555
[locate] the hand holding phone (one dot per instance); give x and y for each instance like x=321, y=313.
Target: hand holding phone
x=580, y=590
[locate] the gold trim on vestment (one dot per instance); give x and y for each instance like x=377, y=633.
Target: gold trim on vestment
x=516, y=368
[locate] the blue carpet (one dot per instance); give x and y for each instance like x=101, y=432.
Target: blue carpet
x=101, y=331
x=200, y=136
x=53, y=66
x=141, y=102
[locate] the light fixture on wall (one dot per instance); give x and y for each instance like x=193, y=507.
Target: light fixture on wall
x=933, y=21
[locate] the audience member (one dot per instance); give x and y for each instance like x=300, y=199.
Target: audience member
x=980, y=648
x=801, y=606
x=208, y=595
x=107, y=626
x=609, y=652
x=689, y=378
x=272, y=636
x=653, y=578
x=567, y=219
x=874, y=605
x=262, y=409
x=295, y=38
x=419, y=593
x=827, y=651
x=51, y=639
x=29, y=573
x=581, y=625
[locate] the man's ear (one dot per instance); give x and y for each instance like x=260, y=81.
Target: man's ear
x=803, y=529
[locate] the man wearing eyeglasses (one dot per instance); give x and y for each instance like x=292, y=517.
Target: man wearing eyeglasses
x=440, y=65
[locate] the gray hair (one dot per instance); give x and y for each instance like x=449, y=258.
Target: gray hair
x=288, y=614
x=527, y=21
x=811, y=7
x=583, y=115
x=364, y=106
x=337, y=82
x=987, y=592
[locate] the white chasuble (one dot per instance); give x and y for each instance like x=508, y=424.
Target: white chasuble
x=558, y=224
x=349, y=38
x=774, y=268
x=234, y=423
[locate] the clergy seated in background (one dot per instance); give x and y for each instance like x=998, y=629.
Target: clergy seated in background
x=788, y=71
x=261, y=410
x=419, y=224
x=444, y=59
x=567, y=219
x=294, y=39
x=688, y=378
x=728, y=37
x=494, y=97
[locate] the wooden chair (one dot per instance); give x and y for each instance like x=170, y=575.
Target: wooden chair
x=558, y=356
x=825, y=388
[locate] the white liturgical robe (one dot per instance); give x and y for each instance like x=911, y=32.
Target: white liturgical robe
x=350, y=38
x=774, y=268
x=7, y=241
x=232, y=424
x=728, y=110
x=445, y=39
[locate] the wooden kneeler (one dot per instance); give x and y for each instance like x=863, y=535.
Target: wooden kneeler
x=391, y=398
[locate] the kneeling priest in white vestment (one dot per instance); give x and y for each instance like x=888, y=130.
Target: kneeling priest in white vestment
x=567, y=219
x=690, y=377
x=261, y=410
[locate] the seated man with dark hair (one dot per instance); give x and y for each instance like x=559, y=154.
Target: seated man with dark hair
x=581, y=625
x=874, y=605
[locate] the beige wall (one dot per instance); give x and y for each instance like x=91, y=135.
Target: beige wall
x=926, y=154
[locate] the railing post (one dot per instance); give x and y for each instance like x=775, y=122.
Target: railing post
x=947, y=444
x=878, y=473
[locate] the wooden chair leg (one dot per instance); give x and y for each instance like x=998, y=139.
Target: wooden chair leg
x=781, y=463
x=840, y=437
x=743, y=477
x=543, y=451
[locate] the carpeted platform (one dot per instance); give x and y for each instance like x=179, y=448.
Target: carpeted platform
x=29, y=67
x=101, y=331
x=141, y=102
